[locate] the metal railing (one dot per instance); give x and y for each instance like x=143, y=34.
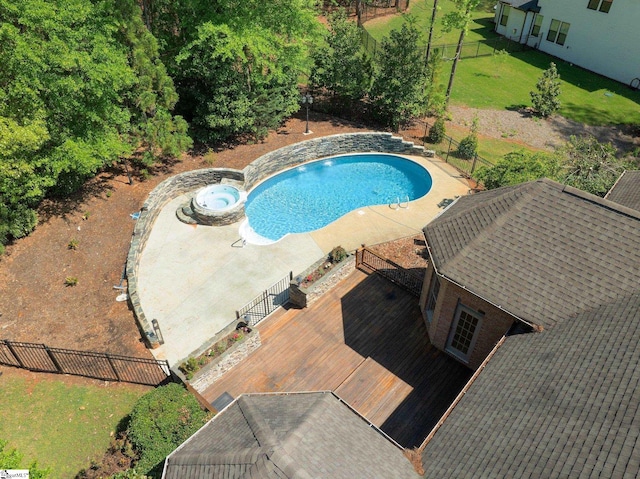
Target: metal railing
x=448, y=149
x=266, y=303
x=108, y=367
x=389, y=270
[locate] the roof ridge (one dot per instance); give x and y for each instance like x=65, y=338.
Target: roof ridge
x=497, y=221
x=259, y=427
x=604, y=202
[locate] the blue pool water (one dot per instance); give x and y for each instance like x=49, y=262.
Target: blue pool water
x=315, y=194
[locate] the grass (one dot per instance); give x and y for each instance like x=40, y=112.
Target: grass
x=504, y=82
x=63, y=426
x=422, y=10
x=490, y=149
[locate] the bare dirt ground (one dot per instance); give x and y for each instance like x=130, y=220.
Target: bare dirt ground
x=35, y=304
x=522, y=127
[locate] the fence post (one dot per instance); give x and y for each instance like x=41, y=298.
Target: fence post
x=15, y=355
x=478, y=50
x=473, y=165
x=448, y=150
x=424, y=138
x=113, y=368
x=53, y=359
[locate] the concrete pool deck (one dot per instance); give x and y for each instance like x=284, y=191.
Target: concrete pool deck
x=192, y=279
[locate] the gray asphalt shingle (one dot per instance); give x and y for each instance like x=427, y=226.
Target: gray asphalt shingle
x=626, y=191
x=298, y=435
x=560, y=403
x=539, y=250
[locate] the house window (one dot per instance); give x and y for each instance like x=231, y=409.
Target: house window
x=536, y=25
x=432, y=298
x=602, y=5
x=505, y=15
x=558, y=31
x=465, y=328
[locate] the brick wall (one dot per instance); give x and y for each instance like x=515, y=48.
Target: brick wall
x=494, y=323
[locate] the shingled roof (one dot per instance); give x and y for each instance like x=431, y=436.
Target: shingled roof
x=525, y=5
x=298, y=435
x=540, y=250
x=560, y=403
x=626, y=191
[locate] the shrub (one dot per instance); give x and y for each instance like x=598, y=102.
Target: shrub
x=545, y=99
x=73, y=244
x=189, y=367
x=437, y=132
x=468, y=147
x=337, y=254
x=70, y=281
x=160, y=421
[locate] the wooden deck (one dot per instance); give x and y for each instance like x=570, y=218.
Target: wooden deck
x=364, y=340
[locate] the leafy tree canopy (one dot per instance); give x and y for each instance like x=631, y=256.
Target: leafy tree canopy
x=400, y=87
x=340, y=64
x=517, y=167
x=81, y=86
x=583, y=162
x=239, y=71
x=590, y=165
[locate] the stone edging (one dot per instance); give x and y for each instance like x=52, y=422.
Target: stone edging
x=304, y=297
x=253, y=173
x=233, y=356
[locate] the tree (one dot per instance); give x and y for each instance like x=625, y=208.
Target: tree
x=546, y=99
x=240, y=73
x=81, y=86
x=341, y=65
x=458, y=19
x=517, y=167
x=431, y=27
x=400, y=85
x=589, y=165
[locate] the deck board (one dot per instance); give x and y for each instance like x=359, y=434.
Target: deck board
x=366, y=341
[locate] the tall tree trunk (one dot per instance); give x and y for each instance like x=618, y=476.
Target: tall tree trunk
x=359, y=11
x=433, y=22
x=455, y=65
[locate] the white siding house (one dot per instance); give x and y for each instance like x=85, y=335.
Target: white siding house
x=599, y=35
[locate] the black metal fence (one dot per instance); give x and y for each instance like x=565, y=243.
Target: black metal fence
x=266, y=303
x=448, y=149
x=109, y=367
x=482, y=48
x=389, y=270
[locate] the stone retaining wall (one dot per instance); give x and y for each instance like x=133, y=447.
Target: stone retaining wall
x=253, y=173
x=157, y=199
x=292, y=155
x=213, y=371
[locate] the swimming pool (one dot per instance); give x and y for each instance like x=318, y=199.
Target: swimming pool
x=312, y=195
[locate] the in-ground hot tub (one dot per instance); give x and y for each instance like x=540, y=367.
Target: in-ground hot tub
x=218, y=197
x=218, y=204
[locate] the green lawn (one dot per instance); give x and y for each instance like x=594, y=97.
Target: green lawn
x=422, y=9
x=62, y=426
x=504, y=82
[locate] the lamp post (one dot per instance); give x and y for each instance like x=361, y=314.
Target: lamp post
x=307, y=100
